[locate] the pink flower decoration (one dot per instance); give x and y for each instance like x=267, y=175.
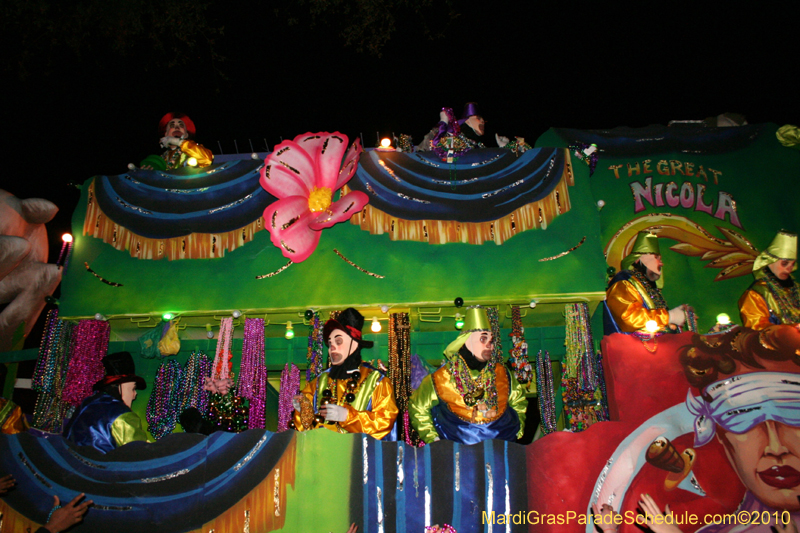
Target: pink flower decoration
x=304, y=174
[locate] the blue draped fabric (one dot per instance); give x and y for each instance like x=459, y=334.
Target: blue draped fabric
x=656, y=139
x=157, y=205
x=390, y=483
x=451, y=427
x=91, y=423
x=483, y=185
x=176, y=484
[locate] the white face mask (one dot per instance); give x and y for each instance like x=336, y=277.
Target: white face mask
x=481, y=345
x=128, y=392
x=653, y=264
x=176, y=128
x=340, y=346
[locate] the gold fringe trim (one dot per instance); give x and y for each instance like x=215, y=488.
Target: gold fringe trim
x=192, y=246
x=13, y=522
x=530, y=216
x=262, y=509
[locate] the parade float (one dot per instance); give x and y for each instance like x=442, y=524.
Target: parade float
x=242, y=261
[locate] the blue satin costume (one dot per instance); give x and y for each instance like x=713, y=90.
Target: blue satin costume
x=104, y=422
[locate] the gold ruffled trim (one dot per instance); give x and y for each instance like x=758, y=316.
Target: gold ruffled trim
x=192, y=246
x=530, y=216
x=264, y=508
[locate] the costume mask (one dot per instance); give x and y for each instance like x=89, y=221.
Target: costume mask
x=481, y=345
x=340, y=346
x=653, y=264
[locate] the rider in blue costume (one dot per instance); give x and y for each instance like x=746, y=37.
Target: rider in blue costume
x=104, y=420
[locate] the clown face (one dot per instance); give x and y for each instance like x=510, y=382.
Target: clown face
x=176, y=128
x=481, y=344
x=128, y=392
x=340, y=346
x=782, y=268
x=653, y=264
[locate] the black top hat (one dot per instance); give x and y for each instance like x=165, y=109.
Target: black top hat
x=120, y=369
x=351, y=322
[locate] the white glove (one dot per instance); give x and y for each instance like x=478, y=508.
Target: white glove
x=501, y=141
x=443, y=117
x=677, y=316
x=173, y=141
x=296, y=404
x=335, y=413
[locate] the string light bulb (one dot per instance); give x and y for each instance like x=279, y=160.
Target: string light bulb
x=723, y=319
x=386, y=142
x=192, y=162
x=289, y=331
x=168, y=316
x=376, y=326
x=651, y=326
x=236, y=313
x=459, y=321
x=67, y=237
x=209, y=332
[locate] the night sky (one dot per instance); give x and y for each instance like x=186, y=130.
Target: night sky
x=529, y=65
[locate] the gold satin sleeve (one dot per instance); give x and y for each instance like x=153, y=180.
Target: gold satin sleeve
x=128, y=428
x=419, y=410
x=625, y=304
x=198, y=151
x=517, y=401
x=377, y=422
x=753, y=310
x=15, y=422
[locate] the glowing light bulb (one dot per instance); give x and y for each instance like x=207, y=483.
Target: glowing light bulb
x=386, y=142
x=651, y=326
x=289, y=331
x=168, y=316
x=459, y=321
x=376, y=326
x=192, y=162
x=723, y=319
x=67, y=237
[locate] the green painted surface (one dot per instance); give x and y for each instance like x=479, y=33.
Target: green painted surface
x=761, y=178
x=321, y=450
x=414, y=272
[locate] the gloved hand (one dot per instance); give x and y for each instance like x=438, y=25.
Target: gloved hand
x=501, y=141
x=170, y=141
x=335, y=413
x=443, y=116
x=677, y=316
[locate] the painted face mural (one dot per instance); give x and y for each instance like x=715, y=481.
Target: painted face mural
x=782, y=268
x=767, y=460
x=340, y=346
x=128, y=392
x=481, y=344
